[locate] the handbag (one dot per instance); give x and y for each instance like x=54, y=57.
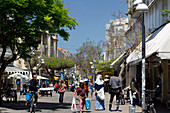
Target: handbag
x=73, y=105
x=100, y=94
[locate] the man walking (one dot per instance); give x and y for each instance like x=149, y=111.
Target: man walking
x=114, y=89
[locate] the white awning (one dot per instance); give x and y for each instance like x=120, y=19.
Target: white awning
x=11, y=70
x=117, y=59
x=40, y=77
x=158, y=42
x=18, y=76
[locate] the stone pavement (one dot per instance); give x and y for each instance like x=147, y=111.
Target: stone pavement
x=51, y=105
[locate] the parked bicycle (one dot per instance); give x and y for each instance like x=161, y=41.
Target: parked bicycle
x=7, y=98
x=30, y=101
x=168, y=103
x=150, y=94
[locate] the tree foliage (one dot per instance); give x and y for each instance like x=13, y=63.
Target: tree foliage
x=23, y=20
x=56, y=63
x=87, y=53
x=105, y=66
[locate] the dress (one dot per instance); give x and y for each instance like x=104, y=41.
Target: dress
x=90, y=88
x=99, y=104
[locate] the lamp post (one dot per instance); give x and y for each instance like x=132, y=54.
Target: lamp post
x=93, y=67
x=142, y=7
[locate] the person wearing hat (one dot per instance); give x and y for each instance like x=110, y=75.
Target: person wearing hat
x=82, y=94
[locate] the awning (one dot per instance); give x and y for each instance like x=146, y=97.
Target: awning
x=40, y=77
x=10, y=69
x=158, y=42
x=18, y=76
x=117, y=59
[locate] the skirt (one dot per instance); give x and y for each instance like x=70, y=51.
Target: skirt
x=99, y=104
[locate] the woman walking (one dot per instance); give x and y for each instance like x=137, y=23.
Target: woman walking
x=91, y=88
x=82, y=94
x=133, y=90
x=62, y=88
x=99, y=85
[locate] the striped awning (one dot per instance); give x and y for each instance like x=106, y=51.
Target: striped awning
x=10, y=69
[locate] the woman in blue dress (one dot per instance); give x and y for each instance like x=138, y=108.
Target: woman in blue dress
x=91, y=88
x=99, y=84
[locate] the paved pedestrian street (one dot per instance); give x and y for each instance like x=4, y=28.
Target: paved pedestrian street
x=51, y=105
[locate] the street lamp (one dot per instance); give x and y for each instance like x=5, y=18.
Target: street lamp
x=93, y=67
x=142, y=7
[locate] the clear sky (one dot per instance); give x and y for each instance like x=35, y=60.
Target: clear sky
x=92, y=16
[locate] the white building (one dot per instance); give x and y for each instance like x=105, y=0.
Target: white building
x=157, y=46
x=115, y=38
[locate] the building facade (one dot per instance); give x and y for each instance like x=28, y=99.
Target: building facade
x=115, y=38
x=157, y=47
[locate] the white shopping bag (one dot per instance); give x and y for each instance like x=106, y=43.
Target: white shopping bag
x=100, y=93
x=73, y=106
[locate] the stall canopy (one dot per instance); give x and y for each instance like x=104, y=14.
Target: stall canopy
x=111, y=66
x=158, y=42
x=18, y=76
x=40, y=77
x=10, y=69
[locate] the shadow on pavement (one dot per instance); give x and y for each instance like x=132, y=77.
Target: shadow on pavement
x=20, y=105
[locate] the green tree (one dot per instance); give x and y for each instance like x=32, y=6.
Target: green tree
x=23, y=20
x=56, y=63
x=88, y=52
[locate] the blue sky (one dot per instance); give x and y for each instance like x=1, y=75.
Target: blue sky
x=92, y=16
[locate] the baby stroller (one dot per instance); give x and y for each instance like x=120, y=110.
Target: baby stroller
x=122, y=98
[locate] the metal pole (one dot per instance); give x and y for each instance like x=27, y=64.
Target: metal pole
x=94, y=72
x=29, y=69
x=143, y=64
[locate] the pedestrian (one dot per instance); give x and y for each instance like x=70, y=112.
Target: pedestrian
x=114, y=89
x=86, y=85
x=99, y=84
x=61, y=90
x=51, y=84
x=56, y=87
x=91, y=86
x=72, y=87
x=134, y=91
x=82, y=94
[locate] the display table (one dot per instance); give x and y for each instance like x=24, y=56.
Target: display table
x=46, y=91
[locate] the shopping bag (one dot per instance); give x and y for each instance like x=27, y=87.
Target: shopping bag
x=100, y=94
x=73, y=106
x=87, y=103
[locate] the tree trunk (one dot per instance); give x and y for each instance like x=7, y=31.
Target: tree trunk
x=2, y=69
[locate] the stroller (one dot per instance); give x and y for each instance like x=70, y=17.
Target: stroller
x=122, y=98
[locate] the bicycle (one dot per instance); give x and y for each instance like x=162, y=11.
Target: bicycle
x=168, y=103
x=7, y=98
x=30, y=101
x=150, y=107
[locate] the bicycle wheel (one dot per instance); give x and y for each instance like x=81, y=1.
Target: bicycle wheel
x=6, y=101
x=168, y=104
x=153, y=110
x=32, y=107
